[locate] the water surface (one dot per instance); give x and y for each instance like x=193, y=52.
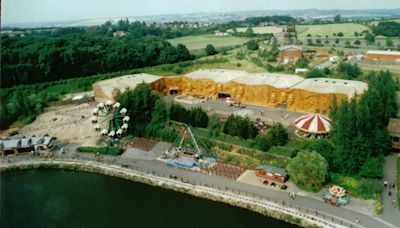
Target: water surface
x=59, y=198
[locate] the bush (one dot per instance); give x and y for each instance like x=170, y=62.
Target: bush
x=302, y=63
x=101, y=150
x=373, y=168
x=252, y=45
x=210, y=50
x=378, y=207
x=195, y=117
x=308, y=170
x=315, y=73
x=239, y=126
x=263, y=142
x=278, y=134
x=364, y=188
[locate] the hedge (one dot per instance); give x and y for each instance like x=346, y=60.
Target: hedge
x=101, y=150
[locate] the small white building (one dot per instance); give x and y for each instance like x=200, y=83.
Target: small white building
x=301, y=70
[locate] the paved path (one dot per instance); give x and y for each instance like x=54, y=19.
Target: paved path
x=390, y=213
x=269, y=115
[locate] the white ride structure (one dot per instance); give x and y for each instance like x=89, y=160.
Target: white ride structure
x=110, y=119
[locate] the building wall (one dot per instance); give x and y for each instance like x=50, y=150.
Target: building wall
x=263, y=174
x=382, y=57
x=292, y=55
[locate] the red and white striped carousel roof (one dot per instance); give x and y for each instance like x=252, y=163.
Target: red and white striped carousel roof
x=314, y=123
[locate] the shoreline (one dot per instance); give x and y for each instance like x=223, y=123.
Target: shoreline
x=261, y=206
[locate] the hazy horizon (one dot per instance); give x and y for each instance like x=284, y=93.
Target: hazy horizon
x=41, y=11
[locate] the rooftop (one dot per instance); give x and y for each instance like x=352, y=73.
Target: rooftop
x=127, y=81
x=217, y=75
x=384, y=52
x=286, y=47
x=330, y=85
x=273, y=169
x=279, y=81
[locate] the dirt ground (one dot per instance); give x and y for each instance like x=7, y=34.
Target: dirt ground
x=70, y=123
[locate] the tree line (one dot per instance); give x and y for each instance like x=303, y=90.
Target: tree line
x=35, y=59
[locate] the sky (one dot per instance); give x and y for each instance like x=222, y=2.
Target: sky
x=32, y=11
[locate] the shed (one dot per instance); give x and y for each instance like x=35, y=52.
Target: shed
x=272, y=173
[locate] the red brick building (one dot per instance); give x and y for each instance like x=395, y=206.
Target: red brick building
x=290, y=54
x=272, y=173
x=386, y=56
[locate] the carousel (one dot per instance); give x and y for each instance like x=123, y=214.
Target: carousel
x=313, y=126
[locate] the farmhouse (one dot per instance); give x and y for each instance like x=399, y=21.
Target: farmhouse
x=394, y=131
x=272, y=173
x=386, y=56
x=290, y=54
x=271, y=90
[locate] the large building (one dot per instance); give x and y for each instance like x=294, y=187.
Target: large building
x=283, y=91
x=386, y=56
x=290, y=54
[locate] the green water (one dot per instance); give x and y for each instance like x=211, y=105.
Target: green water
x=57, y=198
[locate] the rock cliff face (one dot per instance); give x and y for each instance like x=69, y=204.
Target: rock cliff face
x=259, y=95
x=280, y=91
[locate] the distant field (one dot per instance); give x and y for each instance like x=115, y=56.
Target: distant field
x=347, y=29
x=201, y=41
x=377, y=22
x=262, y=29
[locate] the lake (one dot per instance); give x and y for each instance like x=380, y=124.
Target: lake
x=60, y=198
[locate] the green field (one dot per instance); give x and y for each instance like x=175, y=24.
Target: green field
x=261, y=29
x=201, y=41
x=347, y=29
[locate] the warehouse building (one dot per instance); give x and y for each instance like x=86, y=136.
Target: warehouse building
x=386, y=56
x=271, y=90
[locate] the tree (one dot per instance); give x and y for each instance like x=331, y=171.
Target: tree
x=323, y=147
x=357, y=42
x=337, y=18
x=337, y=41
x=278, y=134
x=359, y=128
x=210, y=50
x=302, y=63
x=318, y=41
x=369, y=38
x=308, y=170
x=373, y=167
x=239, y=126
x=347, y=43
x=348, y=71
x=159, y=118
x=389, y=42
x=309, y=42
x=315, y=73
x=249, y=31
x=252, y=45
x=340, y=34
x=264, y=142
